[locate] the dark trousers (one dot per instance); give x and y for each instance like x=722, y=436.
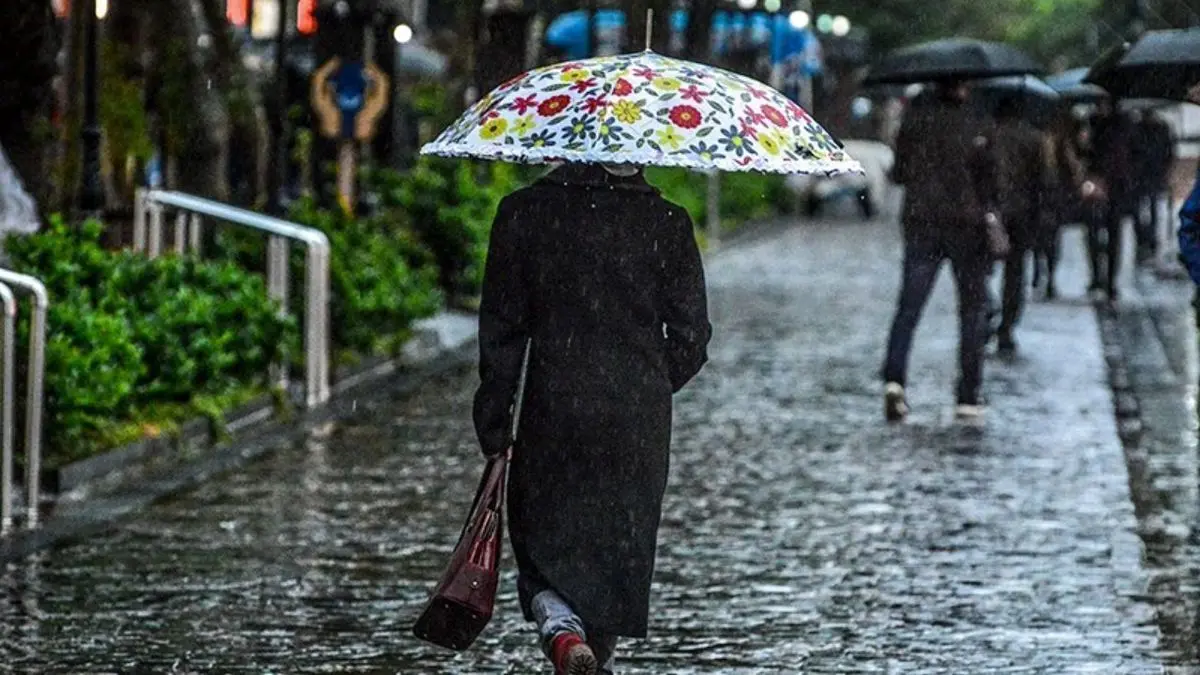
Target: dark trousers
x=1147, y=223
x=922, y=260
x=1013, y=294
x=1104, y=230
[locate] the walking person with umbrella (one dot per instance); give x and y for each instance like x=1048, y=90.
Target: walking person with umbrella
x=946, y=160
x=1023, y=182
x=602, y=278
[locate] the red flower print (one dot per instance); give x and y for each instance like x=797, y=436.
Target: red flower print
x=595, y=103
x=758, y=93
x=745, y=161
x=693, y=93
x=647, y=73
x=570, y=66
x=583, y=85
x=748, y=128
x=489, y=115
x=755, y=117
x=553, y=105
x=685, y=117
x=522, y=105
x=774, y=115
x=622, y=88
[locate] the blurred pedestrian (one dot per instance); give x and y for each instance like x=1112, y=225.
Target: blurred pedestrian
x=946, y=161
x=1022, y=183
x=1114, y=189
x=1154, y=153
x=1063, y=202
x=604, y=277
x=1189, y=216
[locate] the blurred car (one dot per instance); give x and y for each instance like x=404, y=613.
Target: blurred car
x=869, y=191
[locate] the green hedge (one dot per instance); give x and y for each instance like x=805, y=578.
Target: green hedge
x=135, y=345
x=451, y=205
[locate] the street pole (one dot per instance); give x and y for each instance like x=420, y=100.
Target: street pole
x=277, y=177
x=91, y=193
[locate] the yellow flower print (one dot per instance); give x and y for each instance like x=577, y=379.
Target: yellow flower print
x=627, y=111
x=666, y=84
x=770, y=142
x=575, y=75
x=493, y=128
x=668, y=137
x=523, y=125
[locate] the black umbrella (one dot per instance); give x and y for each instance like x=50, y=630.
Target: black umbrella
x=952, y=58
x=1070, y=86
x=1161, y=64
x=1038, y=102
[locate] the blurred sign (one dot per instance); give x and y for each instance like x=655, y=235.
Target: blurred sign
x=349, y=99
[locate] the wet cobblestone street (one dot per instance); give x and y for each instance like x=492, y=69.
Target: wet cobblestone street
x=801, y=535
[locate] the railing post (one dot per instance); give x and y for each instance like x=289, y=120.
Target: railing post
x=277, y=288
x=181, y=223
x=194, y=231
x=316, y=321
x=154, y=240
x=713, y=208
x=139, y=219
x=34, y=385
x=7, y=338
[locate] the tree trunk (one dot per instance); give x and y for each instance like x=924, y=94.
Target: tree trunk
x=251, y=126
x=67, y=157
x=202, y=118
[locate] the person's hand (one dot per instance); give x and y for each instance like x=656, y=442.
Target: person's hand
x=1092, y=190
x=1193, y=95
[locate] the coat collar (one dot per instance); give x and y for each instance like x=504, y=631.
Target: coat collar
x=593, y=176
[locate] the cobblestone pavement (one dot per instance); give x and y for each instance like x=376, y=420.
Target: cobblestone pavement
x=801, y=534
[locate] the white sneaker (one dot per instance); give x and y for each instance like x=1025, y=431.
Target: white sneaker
x=969, y=411
x=895, y=409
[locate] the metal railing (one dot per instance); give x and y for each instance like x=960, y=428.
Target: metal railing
x=33, y=407
x=148, y=229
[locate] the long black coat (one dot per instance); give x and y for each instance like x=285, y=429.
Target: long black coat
x=605, y=277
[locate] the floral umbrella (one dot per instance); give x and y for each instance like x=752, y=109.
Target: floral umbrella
x=644, y=109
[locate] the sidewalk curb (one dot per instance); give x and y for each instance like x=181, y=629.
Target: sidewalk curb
x=83, y=514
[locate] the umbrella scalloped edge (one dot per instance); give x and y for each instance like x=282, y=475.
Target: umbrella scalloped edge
x=521, y=155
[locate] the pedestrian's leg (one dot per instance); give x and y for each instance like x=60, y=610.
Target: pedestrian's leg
x=563, y=637
x=554, y=617
x=1013, y=296
x=1095, y=223
x=1114, y=225
x=920, y=271
x=1154, y=233
x=1053, y=248
x=970, y=277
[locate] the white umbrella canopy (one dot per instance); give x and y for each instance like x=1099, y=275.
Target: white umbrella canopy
x=648, y=110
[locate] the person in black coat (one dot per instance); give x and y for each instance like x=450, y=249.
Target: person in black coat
x=1024, y=182
x=604, y=277
x=947, y=162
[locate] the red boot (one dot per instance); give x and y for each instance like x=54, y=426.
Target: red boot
x=571, y=655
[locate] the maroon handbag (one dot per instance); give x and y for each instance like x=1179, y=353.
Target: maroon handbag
x=462, y=602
